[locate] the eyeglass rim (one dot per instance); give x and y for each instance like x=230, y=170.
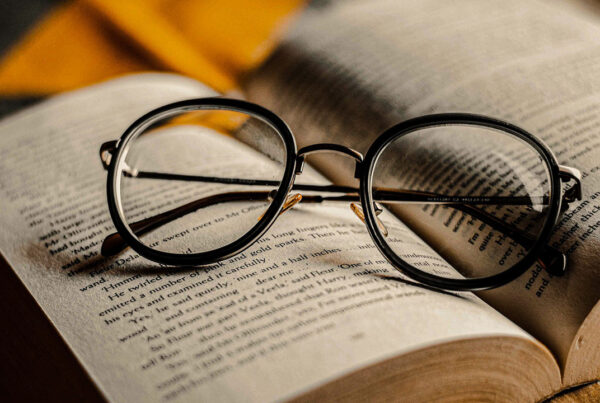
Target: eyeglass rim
x=240, y=244
x=425, y=121
x=365, y=177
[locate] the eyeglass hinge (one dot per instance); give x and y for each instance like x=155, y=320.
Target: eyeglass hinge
x=358, y=169
x=299, y=164
x=567, y=174
x=106, y=151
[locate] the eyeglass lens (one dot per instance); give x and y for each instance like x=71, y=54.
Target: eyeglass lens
x=477, y=195
x=187, y=186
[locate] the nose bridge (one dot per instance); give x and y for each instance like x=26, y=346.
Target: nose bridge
x=332, y=148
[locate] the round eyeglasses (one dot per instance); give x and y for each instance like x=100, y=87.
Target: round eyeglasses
x=179, y=192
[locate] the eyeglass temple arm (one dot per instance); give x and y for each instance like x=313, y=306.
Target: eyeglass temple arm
x=114, y=243
x=552, y=260
x=566, y=174
x=556, y=259
x=573, y=193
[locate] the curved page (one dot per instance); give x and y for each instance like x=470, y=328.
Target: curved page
x=297, y=309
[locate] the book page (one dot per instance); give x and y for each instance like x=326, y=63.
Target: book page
x=299, y=308
x=350, y=70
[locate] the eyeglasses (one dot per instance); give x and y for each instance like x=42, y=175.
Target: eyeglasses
x=483, y=194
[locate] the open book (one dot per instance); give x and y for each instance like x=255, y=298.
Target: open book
x=301, y=314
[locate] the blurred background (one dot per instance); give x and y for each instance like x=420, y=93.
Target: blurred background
x=50, y=46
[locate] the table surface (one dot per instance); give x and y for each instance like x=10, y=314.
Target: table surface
x=35, y=362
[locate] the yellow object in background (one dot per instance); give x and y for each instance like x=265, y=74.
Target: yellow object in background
x=82, y=42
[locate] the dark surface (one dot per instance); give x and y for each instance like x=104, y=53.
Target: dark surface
x=35, y=363
x=17, y=17
x=13, y=104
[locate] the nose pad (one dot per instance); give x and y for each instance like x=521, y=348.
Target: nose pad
x=290, y=202
x=361, y=215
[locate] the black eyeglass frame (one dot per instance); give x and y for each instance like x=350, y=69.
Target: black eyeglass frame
x=294, y=161
x=471, y=284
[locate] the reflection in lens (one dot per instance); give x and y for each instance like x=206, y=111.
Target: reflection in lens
x=478, y=196
x=188, y=186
